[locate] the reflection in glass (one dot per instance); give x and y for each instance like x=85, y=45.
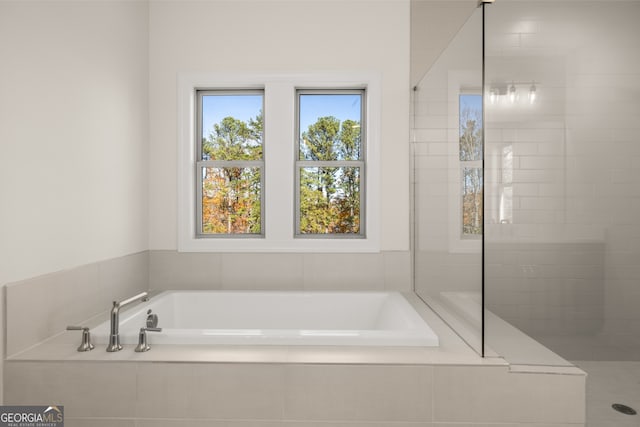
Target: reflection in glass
x=470, y=127
x=472, y=201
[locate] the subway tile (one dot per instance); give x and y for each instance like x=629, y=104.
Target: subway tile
x=358, y=393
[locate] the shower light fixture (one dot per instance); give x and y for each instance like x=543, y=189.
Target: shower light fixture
x=512, y=93
x=493, y=96
x=532, y=93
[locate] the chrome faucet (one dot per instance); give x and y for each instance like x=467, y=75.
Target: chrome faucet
x=114, y=336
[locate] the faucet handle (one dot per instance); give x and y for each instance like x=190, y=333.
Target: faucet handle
x=85, y=345
x=143, y=345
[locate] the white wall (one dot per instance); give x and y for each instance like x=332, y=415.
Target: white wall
x=280, y=36
x=73, y=134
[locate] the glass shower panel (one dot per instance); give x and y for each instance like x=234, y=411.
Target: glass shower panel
x=448, y=183
x=562, y=228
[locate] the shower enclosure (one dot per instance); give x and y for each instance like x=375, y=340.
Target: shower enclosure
x=526, y=181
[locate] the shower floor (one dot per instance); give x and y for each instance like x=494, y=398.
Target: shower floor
x=609, y=383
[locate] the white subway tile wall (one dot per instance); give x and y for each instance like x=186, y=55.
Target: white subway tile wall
x=561, y=198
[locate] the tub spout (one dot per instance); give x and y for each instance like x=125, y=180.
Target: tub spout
x=114, y=335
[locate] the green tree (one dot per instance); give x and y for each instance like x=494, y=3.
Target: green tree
x=330, y=196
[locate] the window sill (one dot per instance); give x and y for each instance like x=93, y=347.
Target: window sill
x=334, y=245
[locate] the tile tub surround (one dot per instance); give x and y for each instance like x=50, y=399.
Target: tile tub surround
x=387, y=270
x=41, y=307
x=53, y=299
x=294, y=386
x=277, y=392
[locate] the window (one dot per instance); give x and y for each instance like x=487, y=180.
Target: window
x=330, y=163
x=230, y=163
x=470, y=156
x=248, y=181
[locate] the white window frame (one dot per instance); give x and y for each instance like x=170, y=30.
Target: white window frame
x=279, y=155
x=467, y=164
x=459, y=82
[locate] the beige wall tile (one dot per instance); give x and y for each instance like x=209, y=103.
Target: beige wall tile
x=358, y=393
x=219, y=391
x=43, y=306
x=262, y=271
x=123, y=277
x=84, y=389
x=397, y=271
x=206, y=423
x=343, y=272
x=169, y=270
x=40, y=307
x=98, y=422
x=490, y=394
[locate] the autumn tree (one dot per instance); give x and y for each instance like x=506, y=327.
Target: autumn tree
x=470, y=151
x=231, y=195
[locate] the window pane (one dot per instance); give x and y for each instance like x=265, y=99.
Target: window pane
x=330, y=126
x=232, y=127
x=470, y=127
x=472, y=201
x=330, y=200
x=231, y=201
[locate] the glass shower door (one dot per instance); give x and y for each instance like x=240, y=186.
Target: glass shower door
x=563, y=161
x=447, y=154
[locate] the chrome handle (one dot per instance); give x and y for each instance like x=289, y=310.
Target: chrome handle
x=85, y=345
x=143, y=345
x=152, y=320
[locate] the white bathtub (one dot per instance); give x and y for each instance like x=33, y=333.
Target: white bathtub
x=276, y=318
